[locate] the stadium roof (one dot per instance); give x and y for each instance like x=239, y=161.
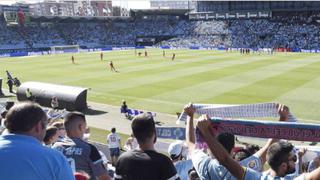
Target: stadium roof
x=173, y=12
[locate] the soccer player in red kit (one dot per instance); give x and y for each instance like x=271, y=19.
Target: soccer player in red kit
x=72, y=59
x=173, y=56
x=112, y=67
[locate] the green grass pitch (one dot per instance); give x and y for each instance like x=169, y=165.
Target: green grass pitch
x=158, y=84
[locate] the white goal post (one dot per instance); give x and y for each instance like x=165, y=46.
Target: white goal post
x=64, y=49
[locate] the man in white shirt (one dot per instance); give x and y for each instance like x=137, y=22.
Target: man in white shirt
x=114, y=143
x=182, y=166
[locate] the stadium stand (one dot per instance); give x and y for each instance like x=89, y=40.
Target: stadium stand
x=281, y=31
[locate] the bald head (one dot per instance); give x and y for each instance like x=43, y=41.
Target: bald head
x=21, y=118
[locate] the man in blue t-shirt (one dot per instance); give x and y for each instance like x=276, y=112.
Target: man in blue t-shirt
x=22, y=156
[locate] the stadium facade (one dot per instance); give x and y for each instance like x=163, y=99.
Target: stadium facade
x=240, y=6
x=184, y=4
x=72, y=8
x=252, y=9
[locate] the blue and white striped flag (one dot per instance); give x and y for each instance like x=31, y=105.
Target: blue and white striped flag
x=135, y=112
x=53, y=114
x=261, y=110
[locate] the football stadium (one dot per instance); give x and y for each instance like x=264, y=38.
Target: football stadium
x=175, y=90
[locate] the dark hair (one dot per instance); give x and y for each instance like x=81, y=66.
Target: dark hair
x=71, y=118
x=278, y=153
x=143, y=127
x=174, y=156
x=50, y=132
x=305, y=167
x=24, y=116
x=3, y=114
x=242, y=154
x=193, y=175
x=113, y=130
x=9, y=104
x=58, y=124
x=252, y=148
x=226, y=140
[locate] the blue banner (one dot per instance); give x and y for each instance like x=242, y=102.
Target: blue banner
x=15, y=54
x=107, y=49
x=194, y=47
x=296, y=50
x=171, y=133
x=165, y=47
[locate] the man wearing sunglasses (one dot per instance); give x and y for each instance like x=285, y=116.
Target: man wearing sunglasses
x=279, y=155
x=282, y=160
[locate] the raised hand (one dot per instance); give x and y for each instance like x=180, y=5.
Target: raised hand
x=203, y=124
x=283, y=111
x=189, y=110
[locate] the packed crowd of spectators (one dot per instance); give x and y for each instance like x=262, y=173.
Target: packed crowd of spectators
x=35, y=147
x=265, y=33
x=85, y=34
x=279, y=32
x=10, y=38
x=43, y=36
x=253, y=33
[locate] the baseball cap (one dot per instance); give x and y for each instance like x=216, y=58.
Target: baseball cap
x=175, y=148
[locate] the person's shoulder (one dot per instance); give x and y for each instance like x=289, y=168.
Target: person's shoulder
x=52, y=153
x=127, y=156
x=182, y=163
x=252, y=174
x=134, y=153
x=185, y=163
x=130, y=153
x=159, y=156
x=92, y=147
x=49, y=150
x=264, y=174
x=110, y=136
x=56, y=160
x=81, y=143
x=253, y=162
x=199, y=154
x=64, y=142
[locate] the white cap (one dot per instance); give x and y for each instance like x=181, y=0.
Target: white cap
x=175, y=148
